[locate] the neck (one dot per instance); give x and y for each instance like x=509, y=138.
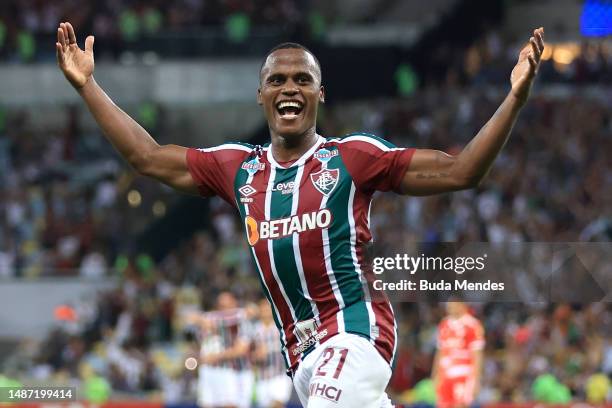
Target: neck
x=292, y=148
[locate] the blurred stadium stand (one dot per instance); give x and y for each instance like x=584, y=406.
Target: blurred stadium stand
x=420, y=74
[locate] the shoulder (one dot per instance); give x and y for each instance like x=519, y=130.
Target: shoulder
x=230, y=147
x=227, y=154
x=362, y=141
x=471, y=322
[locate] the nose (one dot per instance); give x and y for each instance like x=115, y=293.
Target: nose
x=290, y=89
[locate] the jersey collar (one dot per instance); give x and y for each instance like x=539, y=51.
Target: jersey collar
x=299, y=161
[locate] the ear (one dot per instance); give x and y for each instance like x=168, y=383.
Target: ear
x=322, y=94
x=259, y=101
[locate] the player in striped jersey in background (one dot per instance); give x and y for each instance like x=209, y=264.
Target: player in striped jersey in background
x=273, y=386
x=225, y=378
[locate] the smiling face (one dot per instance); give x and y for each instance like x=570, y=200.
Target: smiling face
x=290, y=92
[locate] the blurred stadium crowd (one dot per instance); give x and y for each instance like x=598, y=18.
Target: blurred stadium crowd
x=132, y=340
x=28, y=27
x=487, y=60
x=551, y=183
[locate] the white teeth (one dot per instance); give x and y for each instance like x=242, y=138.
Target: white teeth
x=289, y=104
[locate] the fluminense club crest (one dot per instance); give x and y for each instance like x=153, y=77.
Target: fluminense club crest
x=325, y=180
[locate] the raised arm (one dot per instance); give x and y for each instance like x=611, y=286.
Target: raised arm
x=167, y=164
x=433, y=171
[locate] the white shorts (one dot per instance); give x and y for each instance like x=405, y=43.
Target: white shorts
x=218, y=386
x=275, y=389
x=246, y=382
x=344, y=372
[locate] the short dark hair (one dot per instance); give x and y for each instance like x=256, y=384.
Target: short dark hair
x=290, y=45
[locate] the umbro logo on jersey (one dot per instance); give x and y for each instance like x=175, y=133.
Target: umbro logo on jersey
x=283, y=227
x=247, y=190
x=325, y=180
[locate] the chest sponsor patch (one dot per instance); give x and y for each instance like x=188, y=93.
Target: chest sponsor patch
x=253, y=166
x=283, y=227
x=325, y=180
x=324, y=155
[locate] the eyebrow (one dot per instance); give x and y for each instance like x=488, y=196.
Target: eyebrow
x=274, y=75
x=308, y=74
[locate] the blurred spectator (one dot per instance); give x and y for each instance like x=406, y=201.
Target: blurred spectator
x=27, y=28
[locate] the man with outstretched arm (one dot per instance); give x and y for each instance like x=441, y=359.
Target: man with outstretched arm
x=304, y=200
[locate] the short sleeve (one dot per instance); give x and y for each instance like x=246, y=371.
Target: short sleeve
x=214, y=169
x=374, y=163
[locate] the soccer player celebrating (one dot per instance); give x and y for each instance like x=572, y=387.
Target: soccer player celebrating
x=458, y=362
x=304, y=200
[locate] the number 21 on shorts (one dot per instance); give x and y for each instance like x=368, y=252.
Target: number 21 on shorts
x=328, y=354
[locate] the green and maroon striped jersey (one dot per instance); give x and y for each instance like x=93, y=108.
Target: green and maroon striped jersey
x=307, y=224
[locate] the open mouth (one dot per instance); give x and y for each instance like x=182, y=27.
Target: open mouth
x=289, y=109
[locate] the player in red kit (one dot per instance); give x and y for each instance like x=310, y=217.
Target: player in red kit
x=458, y=362
x=304, y=200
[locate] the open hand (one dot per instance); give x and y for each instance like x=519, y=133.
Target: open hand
x=76, y=64
x=527, y=66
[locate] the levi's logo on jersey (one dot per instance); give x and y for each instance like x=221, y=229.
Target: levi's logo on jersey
x=284, y=188
x=283, y=227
